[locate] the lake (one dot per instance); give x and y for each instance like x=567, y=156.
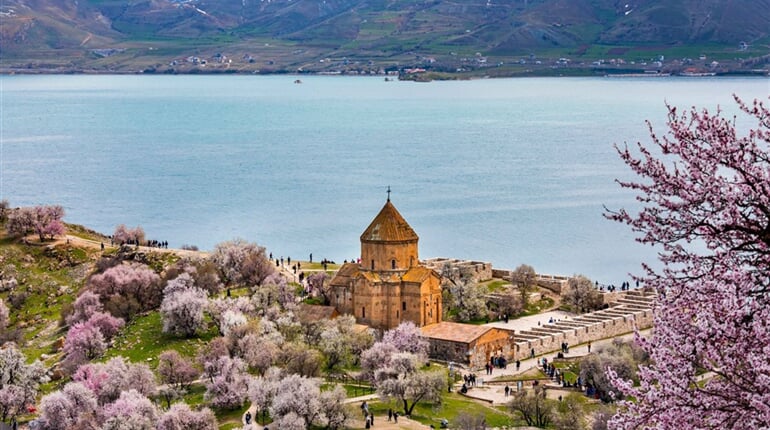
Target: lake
x=509, y=171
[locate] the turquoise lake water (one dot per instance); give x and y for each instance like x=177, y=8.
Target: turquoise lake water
x=507, y=170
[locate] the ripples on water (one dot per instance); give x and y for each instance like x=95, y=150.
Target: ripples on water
x=509, y=170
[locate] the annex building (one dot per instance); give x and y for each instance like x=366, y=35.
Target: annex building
x=388, y=285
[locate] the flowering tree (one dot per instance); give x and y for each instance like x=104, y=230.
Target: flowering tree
x=88, y=340
x=582, y=295
x=623, y=358
x=229, y=387
x=299, y=395
x=84, y=342
x=175, y=370
x=407, y=338
x=75, y=406
x=182, y=310
x=19, y=382
x=108, y=380
x=45, y=221
x=219, y=306
x=295, y=400
x=258, y=352
x=467, y=299
x=180, y=417
x=705, y=192
x=318, y=287
x=131, y=411
x=335, y=412
x=127, y=289
x=262, y=390
x=401, y=380
x=124, y=234
x=86, y=305
x=242, y=263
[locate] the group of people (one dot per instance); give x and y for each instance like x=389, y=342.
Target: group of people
x=496, y=361
x=369, y=416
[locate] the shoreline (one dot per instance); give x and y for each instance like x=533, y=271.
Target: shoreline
x=427, y=76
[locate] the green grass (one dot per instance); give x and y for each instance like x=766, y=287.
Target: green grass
x=143, y=341
x=452, y=405
x=496, y=285
x=529, y=375
x=230, y=419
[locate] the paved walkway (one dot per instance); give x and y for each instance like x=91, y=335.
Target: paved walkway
x=494, y=392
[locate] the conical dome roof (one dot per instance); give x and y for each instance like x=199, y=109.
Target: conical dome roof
x=389, y=226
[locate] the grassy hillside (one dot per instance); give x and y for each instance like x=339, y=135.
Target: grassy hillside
x=286, y=35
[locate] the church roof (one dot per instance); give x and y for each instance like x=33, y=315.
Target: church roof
x=417, y=274
x=389, y=226
x=454, y=332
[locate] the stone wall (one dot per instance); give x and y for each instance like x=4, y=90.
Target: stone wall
x=476, y=271
x=554, y=283
x=631, y=313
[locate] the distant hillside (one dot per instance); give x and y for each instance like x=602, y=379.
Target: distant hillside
x=88, y=33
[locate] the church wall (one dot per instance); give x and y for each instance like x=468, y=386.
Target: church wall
x=404, y=253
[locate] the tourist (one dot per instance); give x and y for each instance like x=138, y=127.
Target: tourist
x=518, y=365
x=589, y=346
x=248, y=417
x=390, y=411
x=395, y=416
x=507, y=390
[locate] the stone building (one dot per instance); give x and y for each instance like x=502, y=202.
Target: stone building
x=388, y=285
x=472, y=345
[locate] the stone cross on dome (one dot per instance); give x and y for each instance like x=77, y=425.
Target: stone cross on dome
x=388, y=192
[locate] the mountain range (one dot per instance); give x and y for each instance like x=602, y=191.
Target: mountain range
x=288, y=35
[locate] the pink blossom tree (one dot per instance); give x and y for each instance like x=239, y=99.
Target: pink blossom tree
x=175, y=370
x=125, y=234
x=242, y=263
x=85, y=305
x=88, y=340
x=84, y=342
x=705, y=194
x=108, y=380
x=127, y=289
x=180, y=417
x=45, y=221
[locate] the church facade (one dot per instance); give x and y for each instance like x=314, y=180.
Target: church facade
x=388, y=285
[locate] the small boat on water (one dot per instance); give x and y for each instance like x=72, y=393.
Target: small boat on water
x=297, y=81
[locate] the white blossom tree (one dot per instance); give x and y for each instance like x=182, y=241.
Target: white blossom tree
x=19, y=382
x=182, y=310
x=228, y=388
x=180, y=417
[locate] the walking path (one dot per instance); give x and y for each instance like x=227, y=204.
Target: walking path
x=494, y=392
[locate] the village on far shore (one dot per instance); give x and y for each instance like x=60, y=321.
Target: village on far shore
x=530, y=330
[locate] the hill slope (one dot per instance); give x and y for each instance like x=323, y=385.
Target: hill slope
x=298, y=31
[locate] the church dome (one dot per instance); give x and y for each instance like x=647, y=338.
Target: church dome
x=389, y=226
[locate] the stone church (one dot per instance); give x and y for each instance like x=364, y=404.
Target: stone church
x=389, y=285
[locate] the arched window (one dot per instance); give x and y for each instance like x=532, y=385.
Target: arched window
x=393, y=264
x=363, y=312
x=411, y=261
x=372, y=264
